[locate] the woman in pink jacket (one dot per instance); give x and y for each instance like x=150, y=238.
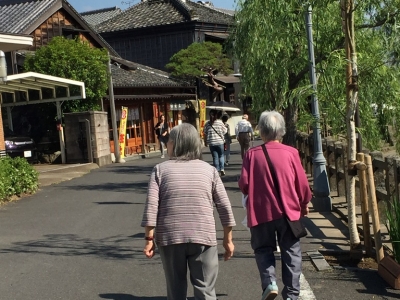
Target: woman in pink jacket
x=267, y=214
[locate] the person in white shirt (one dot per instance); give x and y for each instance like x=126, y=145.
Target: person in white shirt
x=244, y=134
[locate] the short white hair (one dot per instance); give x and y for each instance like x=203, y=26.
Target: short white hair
x=186, y=142
x=271, y=126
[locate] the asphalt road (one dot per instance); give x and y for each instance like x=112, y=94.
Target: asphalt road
x=81, y=239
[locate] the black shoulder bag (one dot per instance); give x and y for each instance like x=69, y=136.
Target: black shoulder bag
x=297, y=227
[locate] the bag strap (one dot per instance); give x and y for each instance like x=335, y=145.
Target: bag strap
x=217, y=133
x=273, y=174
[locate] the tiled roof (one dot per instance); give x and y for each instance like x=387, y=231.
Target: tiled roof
x=152, y=13
x=95, y=17
x=210, y=14
x=225, y=11
x=139, y=75
x=13, y=13
x=17, y=16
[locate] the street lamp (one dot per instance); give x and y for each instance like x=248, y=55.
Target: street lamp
x=321, y=200
x=3, y=67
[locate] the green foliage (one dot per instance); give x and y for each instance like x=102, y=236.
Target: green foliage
x=393, y=227
x=17, y=177
x=76, y=60
x=270, y=42
x=198, y=59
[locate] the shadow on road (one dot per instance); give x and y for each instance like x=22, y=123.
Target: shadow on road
x=129, y=297
x=132, y=297
x=114, y=247
x=133, y=187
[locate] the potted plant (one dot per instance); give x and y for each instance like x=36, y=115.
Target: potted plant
x=389, y=266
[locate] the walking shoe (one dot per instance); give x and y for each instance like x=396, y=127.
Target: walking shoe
x=270, y=292
x=226, y=164
x=162, y=156
x=222, y=173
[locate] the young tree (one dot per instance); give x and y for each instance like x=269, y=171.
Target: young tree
x=201, y=59
x=76, y=60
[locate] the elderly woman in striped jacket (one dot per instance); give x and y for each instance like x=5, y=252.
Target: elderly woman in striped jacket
x=179, y=216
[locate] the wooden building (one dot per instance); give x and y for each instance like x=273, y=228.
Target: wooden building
x=148, y=93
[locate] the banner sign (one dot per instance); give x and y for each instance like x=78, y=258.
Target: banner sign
x=202, y=113
x=122, y=131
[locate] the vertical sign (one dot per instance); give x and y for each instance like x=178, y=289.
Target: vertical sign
x=202, y=116
x=122, y=131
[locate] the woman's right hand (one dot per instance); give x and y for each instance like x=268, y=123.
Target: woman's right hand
x=149, y=249
x=229, y=248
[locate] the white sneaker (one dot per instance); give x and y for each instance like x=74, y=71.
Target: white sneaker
x=162, y=156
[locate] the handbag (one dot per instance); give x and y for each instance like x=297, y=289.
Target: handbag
x=297, y=226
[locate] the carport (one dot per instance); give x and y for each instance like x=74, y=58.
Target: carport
x=34, y=88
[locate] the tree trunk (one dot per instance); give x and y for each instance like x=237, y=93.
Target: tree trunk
x=347, y=11
x=291, y=116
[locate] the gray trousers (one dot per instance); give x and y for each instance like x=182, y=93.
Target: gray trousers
x=263, y=242
x=203, y=267
x=244, y=142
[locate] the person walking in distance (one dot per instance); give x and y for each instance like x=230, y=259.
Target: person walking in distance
x=277, y=187
x=214, y=131
x=228, y=140
x=179, y=217
x=244, y=134
x=161, y=130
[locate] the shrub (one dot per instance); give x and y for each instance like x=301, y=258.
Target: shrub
x=17, y=177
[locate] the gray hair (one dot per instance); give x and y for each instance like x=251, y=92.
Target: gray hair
x=271, y=126
x=186, y=142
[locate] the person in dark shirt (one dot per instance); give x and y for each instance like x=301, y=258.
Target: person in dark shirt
x=162, y=130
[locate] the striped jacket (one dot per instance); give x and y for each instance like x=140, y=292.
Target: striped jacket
x=215, y=137
x=180, y=203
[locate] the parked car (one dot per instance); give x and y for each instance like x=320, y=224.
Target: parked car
x=20, y=146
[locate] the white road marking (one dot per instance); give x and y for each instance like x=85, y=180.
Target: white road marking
x=306, y=292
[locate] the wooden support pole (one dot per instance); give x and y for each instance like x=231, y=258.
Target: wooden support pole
x=364, y=204
x=374, y=209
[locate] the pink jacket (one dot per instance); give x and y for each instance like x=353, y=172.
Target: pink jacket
x=256, y=182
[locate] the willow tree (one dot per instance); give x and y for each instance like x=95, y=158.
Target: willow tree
x=269, y=40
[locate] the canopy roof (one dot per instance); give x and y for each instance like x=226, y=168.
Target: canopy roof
x=11, y=42
x=29, y=82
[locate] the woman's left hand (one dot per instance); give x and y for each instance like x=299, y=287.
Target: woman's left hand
x=149, y=249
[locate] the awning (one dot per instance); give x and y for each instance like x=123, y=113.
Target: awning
x=222, y=36
x=31, y=81
x=228, y=79
x=154, y=97
x=11, y=42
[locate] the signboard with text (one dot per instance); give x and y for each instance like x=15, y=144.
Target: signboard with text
x=202, y=113
x=122, y=131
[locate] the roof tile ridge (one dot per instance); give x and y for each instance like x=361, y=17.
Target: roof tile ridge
x=101, y=10
x=123, y=12
x=185, y=9
x=213, y=8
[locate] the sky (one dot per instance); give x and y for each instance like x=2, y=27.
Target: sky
x=86, y=5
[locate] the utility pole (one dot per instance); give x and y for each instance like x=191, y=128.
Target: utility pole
x=321, y=200
x=117, y=154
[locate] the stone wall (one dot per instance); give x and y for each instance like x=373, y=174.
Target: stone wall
x=76, y=137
